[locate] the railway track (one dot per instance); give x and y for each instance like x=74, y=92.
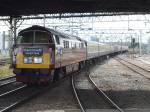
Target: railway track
x=19, y=95
x=11, y=99
x=135, y=68
x=9, y=87
x=22, y=93
x=7, y=80
x=100, y=94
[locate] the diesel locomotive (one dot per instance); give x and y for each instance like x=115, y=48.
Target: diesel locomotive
x=42, y=55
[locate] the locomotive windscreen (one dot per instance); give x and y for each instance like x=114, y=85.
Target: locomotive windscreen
x=26, y=37
x=34, y=37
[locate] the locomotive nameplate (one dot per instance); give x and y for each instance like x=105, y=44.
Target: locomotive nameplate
x=32, y=51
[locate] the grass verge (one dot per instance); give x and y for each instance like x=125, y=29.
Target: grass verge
x=5, y=71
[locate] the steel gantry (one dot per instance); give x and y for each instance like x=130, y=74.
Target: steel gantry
x=83, y=24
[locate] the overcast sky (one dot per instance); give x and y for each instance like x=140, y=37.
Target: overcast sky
x=109, y=25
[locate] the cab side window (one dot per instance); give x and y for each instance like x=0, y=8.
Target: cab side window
x=57, y=39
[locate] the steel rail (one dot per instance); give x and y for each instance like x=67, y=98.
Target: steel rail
x=13, y=105
x=7, y=83
x=12, y=91
x=76, y=95
x=103, y=93
x=118, y=59
x=134, y=64
x=6, y=78
x=21, y=101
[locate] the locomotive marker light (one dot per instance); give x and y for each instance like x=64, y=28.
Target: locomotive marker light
x=27, y=60
x=38, y=60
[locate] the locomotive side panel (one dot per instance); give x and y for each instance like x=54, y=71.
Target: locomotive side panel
x=69, y=51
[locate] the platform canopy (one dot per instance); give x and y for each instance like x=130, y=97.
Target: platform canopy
x=29, y=7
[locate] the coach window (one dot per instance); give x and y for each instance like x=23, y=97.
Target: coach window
x=64, y=43
x=75, y=45
x=67, y=42
x=78, y=45
x=82, y=45
x=71, y=44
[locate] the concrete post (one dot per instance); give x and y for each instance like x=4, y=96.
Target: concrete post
x=44, y=20
x=15, y=29
x=140, y=41
x=3, y=41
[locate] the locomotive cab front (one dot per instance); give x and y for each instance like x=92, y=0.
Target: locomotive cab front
x=33, y=56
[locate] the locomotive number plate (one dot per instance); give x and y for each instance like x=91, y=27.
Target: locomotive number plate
x=32, y=51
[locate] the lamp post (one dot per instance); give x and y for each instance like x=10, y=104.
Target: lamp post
x=44, y=20
x=121, y=45
x=140, y=40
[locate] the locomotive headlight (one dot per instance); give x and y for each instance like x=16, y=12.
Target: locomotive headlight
x=38, y=60
x=27, y=60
